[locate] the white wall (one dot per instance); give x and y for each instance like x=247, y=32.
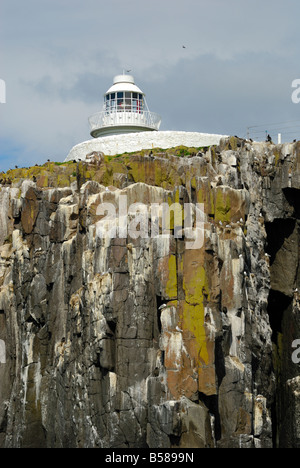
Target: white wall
x=127, y=143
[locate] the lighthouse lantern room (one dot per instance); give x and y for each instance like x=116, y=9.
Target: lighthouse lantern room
x=125, y=110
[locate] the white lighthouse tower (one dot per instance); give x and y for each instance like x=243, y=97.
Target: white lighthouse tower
x=125, y=110
x=125, y=124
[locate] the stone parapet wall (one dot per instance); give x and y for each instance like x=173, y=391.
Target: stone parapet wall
x=127, y=143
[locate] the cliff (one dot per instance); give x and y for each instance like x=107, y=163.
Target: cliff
x=147, y=338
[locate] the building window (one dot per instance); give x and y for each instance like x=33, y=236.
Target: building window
x=128, y=101
x=124, y=101
x=140, y=103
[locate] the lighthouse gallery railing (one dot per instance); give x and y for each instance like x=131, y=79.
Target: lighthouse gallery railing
x=143, y=118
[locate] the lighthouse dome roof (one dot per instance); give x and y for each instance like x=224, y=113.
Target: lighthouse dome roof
x=124, y=83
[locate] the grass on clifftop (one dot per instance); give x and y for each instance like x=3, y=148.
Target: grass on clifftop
x=63, y=174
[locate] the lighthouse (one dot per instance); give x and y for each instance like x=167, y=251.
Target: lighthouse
x=125, y=110
x=125, y=124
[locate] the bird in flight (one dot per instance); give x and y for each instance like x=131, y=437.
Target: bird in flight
x=183, y=47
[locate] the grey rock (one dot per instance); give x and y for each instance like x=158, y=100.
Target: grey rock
x=92, y=359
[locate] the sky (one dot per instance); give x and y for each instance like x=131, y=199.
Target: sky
x=58, y=58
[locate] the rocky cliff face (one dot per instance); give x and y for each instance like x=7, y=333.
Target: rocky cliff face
x=141, y=341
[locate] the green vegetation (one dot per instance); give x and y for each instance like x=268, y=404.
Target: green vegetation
x=137, y=165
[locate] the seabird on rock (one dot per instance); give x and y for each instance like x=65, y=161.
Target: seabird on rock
x=163, y=306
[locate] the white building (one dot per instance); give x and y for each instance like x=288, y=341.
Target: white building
x=125, y=110
x=125, y=124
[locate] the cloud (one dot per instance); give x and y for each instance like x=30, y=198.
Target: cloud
x=59, y=57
